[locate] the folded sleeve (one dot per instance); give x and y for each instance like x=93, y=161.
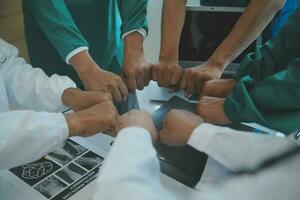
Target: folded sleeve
x=133, y=14
x=272, y=102
x=26, y=136
x=131, y=169
x=275, y=55
x=54, y=18
x=237, y=150
x=30, y=88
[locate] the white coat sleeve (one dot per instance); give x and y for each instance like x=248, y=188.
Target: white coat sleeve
x=26, y=136
x=31, y=88
x=237, y=150
x=131, y=169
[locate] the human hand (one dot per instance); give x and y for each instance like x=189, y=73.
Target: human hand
x=98, y=118
x=211, y=109
x=178, y=127
x=193, y=78
x=166, y=73
x=96, y=79
x=78, y=99
x=140, y=119
x=136, y=69
x=218, y=88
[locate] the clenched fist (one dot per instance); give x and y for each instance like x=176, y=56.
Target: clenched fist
x=78, y=99
x=136, y=69
x=98, y=118
x=140, y=119
x=193, y=78
x=218, y=88
x=178, y=127
x=211, y=109
x=166, y=73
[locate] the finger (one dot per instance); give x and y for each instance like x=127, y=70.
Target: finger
x=154, y=72
x=175, y=77
x=147, y=76
x=116, y=94
x=190, y=87
x=122, y=88
x=183, y=82
x=131, y=84
x=140, y=81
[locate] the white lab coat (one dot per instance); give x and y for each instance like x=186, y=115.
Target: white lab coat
x=131, y=170
x=34, y=127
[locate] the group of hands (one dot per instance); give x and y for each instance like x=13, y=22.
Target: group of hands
x=94, y=110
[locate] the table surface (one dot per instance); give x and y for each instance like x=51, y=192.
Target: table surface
x=212, y=173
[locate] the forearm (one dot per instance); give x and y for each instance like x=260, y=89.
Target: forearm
x=31, y=88
x=269, y=102
x=236, y=150
x=83, y=64
x=256, y=17
x=132, y=169
x=27, y=136
x=172, y=23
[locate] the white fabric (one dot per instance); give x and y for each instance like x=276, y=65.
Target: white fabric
x=141, y=31
x=74, y=52
x=29, y=133
x=131, y=168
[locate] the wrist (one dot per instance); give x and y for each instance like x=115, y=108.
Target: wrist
x=73, y=124
x=83, y=63
x=133, y=44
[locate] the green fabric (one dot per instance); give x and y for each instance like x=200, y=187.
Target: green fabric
x=268, y=88
x=54, y=28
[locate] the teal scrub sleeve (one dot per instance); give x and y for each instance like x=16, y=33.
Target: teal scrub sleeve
x=54, y=19
x=133, y=14
x=273, y=102
x=275, y=55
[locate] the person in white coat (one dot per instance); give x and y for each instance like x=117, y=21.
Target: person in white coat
x=31, y=122
x=131, y=170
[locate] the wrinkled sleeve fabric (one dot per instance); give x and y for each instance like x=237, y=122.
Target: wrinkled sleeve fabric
x=267, y=91
x=275, y=55
x=26, y=136
x=237, y=150
x=131, y=169
x=134, y=15
x=30, y=88
x=55, y=20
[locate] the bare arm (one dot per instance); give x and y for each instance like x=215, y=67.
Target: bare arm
x=256, y=17
x=172, y=23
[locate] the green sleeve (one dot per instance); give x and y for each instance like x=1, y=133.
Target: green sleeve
x=56, y=22
x=273, y=102
x=275, y=55
x=133, y=14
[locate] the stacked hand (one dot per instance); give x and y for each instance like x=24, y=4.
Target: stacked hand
x=166, y=73
x=136, y=70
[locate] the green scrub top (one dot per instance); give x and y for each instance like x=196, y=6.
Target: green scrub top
x=54, y=28
x=268, y=88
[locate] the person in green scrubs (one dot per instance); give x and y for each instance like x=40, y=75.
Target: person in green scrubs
x=265, y=90
x=90, y=41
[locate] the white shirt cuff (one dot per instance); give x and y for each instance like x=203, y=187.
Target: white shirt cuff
x=141, y=31
x=74, y=52
x=201, y=136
